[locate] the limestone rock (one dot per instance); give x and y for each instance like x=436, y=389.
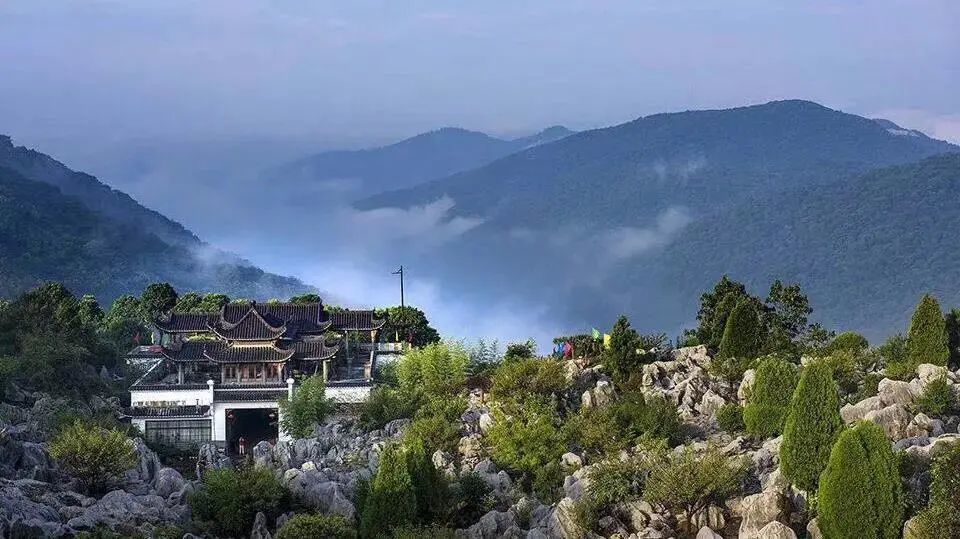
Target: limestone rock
x=571, y=460
x=759, y=510
x=851, y=413
x=260, y=530
x=707, y=533
x=776, y=530
x=168, y=481
x=601, y=395
x=813, y=530
x=749, y=377
x=895, y=420
x=895, y=392
x=493, y=525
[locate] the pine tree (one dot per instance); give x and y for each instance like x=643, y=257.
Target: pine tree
x=720, y=317
x=621, y=357
x=860, y=493
x=391, y=501
x=812, y=426
x=927, y=340
x=742, y=334
x=769, y=400
x=428, y=485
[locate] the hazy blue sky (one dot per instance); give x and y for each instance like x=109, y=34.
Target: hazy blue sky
x=359, y=70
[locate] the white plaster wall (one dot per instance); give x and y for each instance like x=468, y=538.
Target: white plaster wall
x=172, y=397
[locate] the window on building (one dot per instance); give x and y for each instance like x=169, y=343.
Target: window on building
x=182, y=434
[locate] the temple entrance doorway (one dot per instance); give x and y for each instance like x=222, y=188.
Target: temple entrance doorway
x=246, y=427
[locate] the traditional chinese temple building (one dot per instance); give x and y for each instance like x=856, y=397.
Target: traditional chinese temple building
x=217, y=377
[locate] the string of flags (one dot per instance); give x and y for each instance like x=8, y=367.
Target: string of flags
x=565, y=349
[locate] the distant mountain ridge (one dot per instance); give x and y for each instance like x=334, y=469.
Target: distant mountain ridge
x=60, y=225
x=595, y=224
x=423, y=157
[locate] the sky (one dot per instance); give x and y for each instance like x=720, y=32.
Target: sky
x=175, y=99
x=349, y=72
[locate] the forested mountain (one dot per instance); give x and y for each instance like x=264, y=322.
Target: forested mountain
x=92, y=193
x=71, y=228
x=614, y=220
x=411, y=161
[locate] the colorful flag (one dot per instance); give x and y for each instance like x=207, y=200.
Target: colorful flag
x=606, y=340
x=596, y=334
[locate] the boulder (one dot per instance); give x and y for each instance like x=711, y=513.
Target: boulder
x=601, y=395
x=148, y=464
x=896, y=392
x=493, y=525
x=571, y=460
x=707, y=533
x=470, y=449
x=260, y=530
x=895, y=420
x=485, y=422
x=562, y=522
x=759, y=510
x=710, y=403
x=813, y=530
x=746, y=384
x=851, y=413
x=927, y=373
x=776, y=530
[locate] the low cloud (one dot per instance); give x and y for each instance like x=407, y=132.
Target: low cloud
x=939, y=126
x=420, y=227
x=678, y=170
x=627, y=242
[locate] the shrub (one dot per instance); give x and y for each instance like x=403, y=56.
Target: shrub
x=648, y=417
x=621, y=357
x=517, y=351
x=228, y=500
x=429, y=488
x=690, y=481
x=309, y=406
x=470, y=500
x=860, y=494
x=769, y=401
x=811, y=428
x=317, y=526
x=526, y=438
x=848, y=340
x=390, y=501
x=927, y=339
x=937, y=398
x=527, y=378
x=941, y=518
x=94, y=455
x=730, y=418
x=742, y=334
x=547, y=481
x=423, y=532
x=596, y=431
x=387, y=404
x=436, y=369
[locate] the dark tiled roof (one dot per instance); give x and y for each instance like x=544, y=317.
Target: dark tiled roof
x=249, y=354
x=355, y=320
x=186, y=322
x=315, y=349
x=252, y=326
x=304, y=317
x=256, y=396
x=190, y=351
x=168, y=411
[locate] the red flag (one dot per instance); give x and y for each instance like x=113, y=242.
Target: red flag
x=136, y=338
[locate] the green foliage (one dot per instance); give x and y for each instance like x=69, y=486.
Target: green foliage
x=227, y=502
x=927, y=339
x=158, y=298
x=526, y=438
x=520, y=350
x=429, y=488
x=96, y=456
x=423, y=532
x=937, y=398
x=848, y=340
x=952, y=322
x=730, y=418
x=386, y=404
x=527, y=378
x=860, y=494
x=715, y=307
x=309, y=406
x=306, y=298
x=436, y=369
x=391, y=501
x=769, y=400
x=621, y=358
x=408, y=324
x=742, y=335
x=596, y=431
x=437, y=424
x=689, y=481
x=634, y=417
x=547, y=482
x=941, y=518
x=787, y=311
x=614, y=481
x=811, y=428
x=470, y=500
x=317, y=527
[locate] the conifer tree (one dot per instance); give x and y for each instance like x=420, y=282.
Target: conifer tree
x=428, y=486
x=860, y=495
x=742, y=334
x=769, y=400
x=621, y=357
x=391, y=501
x=927, y=340
x=812, y=426
x=720, y=317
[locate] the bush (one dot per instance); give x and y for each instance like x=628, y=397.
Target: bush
x=730, y=418
x=317, y=526
x=436, y=369
x=596, y=431
x=690, y=481
x=423, y=532
x=621, y=357
x=811, y=428
x=470, y=500
x=648, y=418
x=860, y=494
x=927, y=339
x=390, y=501
x=387, y=404
x=941, y=518
x=769, y=400
x=527, y=378
x=742, y=334
x=848, y=340
x=227, y=502
x=309, y=406
x=547, y=481
x=937, y=398
x=526, y=438
x=429, y=488
x=94, y=455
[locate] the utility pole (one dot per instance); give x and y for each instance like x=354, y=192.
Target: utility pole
x=403, y=310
